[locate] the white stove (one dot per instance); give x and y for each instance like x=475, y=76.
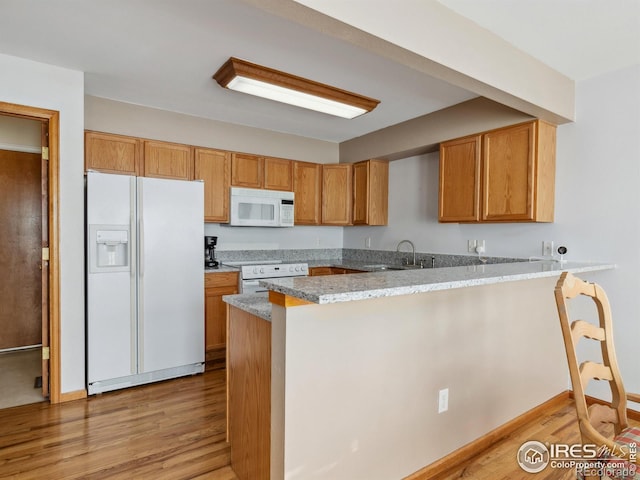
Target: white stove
x=252, y=272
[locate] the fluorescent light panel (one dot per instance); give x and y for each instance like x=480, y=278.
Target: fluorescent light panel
x=272, y=84
x=293, y=97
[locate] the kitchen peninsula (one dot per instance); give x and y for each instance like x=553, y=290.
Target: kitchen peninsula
x=341, y=379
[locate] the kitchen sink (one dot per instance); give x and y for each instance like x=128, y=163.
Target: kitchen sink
x=379, y=267
x=383, y=266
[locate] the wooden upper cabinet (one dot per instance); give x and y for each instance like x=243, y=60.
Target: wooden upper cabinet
x=519, y=173
x=110, y=153
x=307, y=188
x=371, y=192
x=459, y=194
x=214, y=167
x=168, y=160
x=516, y=166
x=337, y=197
x=247, y=170
x=278, y=174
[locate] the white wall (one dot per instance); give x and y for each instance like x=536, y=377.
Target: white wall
x=597, y=204
x=45, y=86
x=19, y=134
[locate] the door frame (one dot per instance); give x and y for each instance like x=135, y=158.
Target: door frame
x=53, y=119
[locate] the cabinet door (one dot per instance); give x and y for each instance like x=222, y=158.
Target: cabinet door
x=307, y=188
x=508, y=173
x=214, y=167
x=168, y=160
x=111, y=153
x=278, y=174
x=459, y=194
x=318, y=271
x=247, y=170
x=371, y=192
x=215, y=309
x=361, y=193
x=336, y=194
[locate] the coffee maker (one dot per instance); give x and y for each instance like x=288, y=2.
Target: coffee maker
x=210, y=252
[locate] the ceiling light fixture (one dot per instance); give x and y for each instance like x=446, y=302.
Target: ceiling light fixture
x=283, y=87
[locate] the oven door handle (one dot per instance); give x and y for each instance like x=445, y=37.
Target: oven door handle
x=252, y=286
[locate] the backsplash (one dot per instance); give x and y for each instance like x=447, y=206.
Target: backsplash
x=356, y=255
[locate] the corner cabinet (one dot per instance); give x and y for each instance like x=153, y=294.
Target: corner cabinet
x=216, y=285
x=336, y=194
x=214, y=168
x=371, y=192
x=504, y=175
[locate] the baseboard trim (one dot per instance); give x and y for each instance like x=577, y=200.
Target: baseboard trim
x=71, y=396
x=632, y=414
x=449, y=462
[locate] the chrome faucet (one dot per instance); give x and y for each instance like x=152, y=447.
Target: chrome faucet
x=413, y=249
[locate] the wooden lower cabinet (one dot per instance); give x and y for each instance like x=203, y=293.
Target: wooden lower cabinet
x=318, y=271
x=249, y=395
x=216, y=285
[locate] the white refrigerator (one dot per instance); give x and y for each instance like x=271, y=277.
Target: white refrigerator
x=145, y=280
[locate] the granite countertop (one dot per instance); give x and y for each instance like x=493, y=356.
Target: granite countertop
x=359, y=286
x=254, y=303
x=221, y=269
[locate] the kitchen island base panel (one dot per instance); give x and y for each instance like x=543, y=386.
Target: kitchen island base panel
x=355, y=384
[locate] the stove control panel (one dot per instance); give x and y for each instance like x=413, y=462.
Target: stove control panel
x=275, y=271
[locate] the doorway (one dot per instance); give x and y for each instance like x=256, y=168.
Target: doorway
x=29, y=291
x=21, y=228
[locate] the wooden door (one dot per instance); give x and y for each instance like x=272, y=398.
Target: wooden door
x=247, y=170
x=110, y=153
x=307, y=188
x=21, y=252
x=459, y=194
x=44, y=191
x=336, y=194
x=168, y=160
x=214, y=167
x=508, y=173
x=278, y=174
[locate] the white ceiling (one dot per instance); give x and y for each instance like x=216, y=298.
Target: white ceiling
x=162, y=54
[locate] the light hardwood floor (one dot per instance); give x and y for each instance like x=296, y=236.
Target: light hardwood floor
x=171, y=430
x=176, y=430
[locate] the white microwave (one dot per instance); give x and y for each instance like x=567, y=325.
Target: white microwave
x=251, y=207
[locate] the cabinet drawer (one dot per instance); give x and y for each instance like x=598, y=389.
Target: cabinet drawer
x=222, y=279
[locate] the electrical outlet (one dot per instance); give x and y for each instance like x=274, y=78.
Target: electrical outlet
x=547, y=249
x=480, y=246
x=471, y=246
x=443, y=400
x=367, y=242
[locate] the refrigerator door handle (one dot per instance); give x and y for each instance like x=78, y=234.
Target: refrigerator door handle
x=140, y=290
x=133, y=262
